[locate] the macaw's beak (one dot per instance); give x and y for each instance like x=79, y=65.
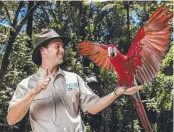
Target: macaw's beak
x=112, y=51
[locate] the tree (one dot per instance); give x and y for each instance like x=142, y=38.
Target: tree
x=13, y=33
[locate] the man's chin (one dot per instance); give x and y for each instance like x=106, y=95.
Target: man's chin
x=60, y=62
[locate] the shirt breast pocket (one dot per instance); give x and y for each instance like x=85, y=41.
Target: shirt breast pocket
x=42, y=106
x=72, y=98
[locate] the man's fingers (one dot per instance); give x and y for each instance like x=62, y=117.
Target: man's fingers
x=139, y=87
x=136, y=88
x=132, y=90
x=47, y=79
x=44, y=82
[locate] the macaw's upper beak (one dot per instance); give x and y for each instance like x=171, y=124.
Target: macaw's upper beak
x=112, y=51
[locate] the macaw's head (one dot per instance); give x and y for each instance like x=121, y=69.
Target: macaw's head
x=112, y=50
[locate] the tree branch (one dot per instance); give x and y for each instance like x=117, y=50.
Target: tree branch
x=16, y=16
x=53, y=14
x=18, y=28
x=5, y=7
x=45, y=15
x=148, y=101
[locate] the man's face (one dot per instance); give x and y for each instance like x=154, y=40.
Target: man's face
x=54, y=53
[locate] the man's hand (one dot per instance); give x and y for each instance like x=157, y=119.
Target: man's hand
x=19, y=110
x=43, y=82
x=127, y=91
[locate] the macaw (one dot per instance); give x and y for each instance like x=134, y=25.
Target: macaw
x=143, y=59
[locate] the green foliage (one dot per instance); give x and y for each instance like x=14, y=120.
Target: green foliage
x=5, y=97
x=15, y=73
x=88, y=129
x=136, y=126
x=168, y=61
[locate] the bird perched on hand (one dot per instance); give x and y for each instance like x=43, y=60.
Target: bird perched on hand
x=143, y=59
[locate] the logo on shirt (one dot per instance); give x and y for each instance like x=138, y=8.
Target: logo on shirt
x=72, y=86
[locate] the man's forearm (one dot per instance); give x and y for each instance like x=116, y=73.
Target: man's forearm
x=107, y=100
x=19, y=110
x=102, y=103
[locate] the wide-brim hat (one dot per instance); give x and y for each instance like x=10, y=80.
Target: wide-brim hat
x=44, y=38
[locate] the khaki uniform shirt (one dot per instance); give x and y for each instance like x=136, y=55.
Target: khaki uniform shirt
x=56, y=109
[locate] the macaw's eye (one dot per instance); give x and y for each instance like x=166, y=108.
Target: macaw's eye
x=112, y=51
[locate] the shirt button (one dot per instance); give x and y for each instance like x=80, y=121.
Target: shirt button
x=64, y=129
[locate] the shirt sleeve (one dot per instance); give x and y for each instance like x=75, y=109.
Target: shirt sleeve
x=19, y=93
x=87, y=96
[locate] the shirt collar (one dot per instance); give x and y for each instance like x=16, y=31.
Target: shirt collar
x=60, y=72
x=41, y=71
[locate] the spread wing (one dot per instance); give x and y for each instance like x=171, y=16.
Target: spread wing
x=150, y=44
x=97, y=53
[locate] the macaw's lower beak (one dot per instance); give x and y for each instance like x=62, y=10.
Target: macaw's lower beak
x=112, y=54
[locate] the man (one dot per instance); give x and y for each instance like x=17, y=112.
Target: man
x=53, y=96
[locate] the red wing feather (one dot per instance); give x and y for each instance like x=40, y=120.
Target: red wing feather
x=151, y=42
x=97, y=53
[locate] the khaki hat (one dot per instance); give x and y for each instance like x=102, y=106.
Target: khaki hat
x=46, y=37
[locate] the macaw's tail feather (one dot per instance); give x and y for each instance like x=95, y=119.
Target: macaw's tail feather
x=141, y=112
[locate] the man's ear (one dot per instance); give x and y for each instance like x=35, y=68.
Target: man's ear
x=42, y=51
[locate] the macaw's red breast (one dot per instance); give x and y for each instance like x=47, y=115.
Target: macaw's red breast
x=123, y=69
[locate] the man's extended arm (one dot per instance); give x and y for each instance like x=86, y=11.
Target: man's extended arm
x=108, y=99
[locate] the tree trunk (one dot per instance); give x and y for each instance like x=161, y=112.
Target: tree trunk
x=24, y=125
x=82, y=21
x=29, y=34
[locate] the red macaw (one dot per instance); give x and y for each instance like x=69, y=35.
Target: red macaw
x=143, y=59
